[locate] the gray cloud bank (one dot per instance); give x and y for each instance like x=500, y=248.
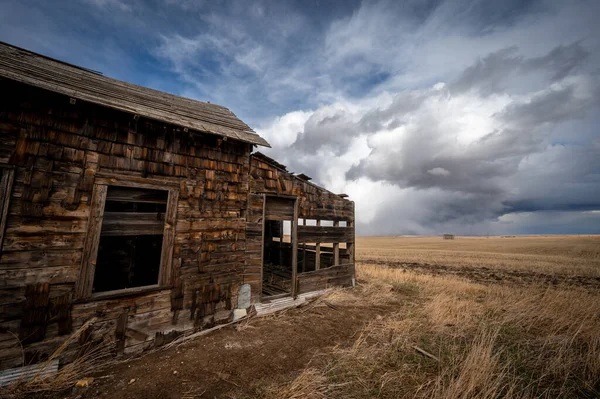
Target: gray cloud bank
x=508, y=144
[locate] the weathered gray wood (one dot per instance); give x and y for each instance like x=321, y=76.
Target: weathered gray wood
x=303, y=250
x=351, y=248
x=294, y=237
x=262, y=244
x=133, y=223
x=36, y=70
x=336, y=247
x=6, y=184
x=151, y=183
x=133, y=194
x=325, y=234
x=166, y=257
x=90, y=248
x=325, y=278
x=318, y=251
x=279, y=208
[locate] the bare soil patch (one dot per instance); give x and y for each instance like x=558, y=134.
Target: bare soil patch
x=232, y=363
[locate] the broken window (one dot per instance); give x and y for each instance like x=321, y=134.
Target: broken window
x=131, y=239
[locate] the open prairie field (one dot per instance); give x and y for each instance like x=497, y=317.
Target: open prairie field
x=570, y=255
x=470, y=318
x=467, y=318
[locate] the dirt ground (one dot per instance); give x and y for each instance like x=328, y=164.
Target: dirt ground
x=230, y=363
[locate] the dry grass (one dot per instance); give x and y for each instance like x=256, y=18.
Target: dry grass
x=492, y=340
x=579, y=255
x=67, y=376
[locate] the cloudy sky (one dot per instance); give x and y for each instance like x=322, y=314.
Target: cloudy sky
x=466, y=116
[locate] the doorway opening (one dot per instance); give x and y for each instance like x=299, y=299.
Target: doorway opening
x=278, y=248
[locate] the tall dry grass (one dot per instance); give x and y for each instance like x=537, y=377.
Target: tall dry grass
x=67, y=376
x=485, y=341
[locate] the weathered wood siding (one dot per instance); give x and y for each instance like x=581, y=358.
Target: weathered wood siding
x=272, y=179
x=59, y=150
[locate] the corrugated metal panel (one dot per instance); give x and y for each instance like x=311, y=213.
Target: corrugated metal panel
x=25, y=373
x=80, y=83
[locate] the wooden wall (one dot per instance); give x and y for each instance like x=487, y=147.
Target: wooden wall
x=58, y=150
x=315, y=202
x=272, y=179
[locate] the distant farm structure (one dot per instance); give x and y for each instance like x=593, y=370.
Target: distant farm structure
x=448, y=236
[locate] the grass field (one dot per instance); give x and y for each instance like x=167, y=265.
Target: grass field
x=573, y=255
x=470, y=318
x=439, y=334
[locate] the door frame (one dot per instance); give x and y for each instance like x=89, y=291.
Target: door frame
x=294, y=241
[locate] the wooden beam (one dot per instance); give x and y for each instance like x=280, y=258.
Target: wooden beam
x=90, y=247
x=165, y=277
x=336, y=247
x=295, y=247
x=262, y=246
x=350, y=247
x=325, y=234
x=303, y=250
x=8, y=175
x=318, y=251
x=113, y=179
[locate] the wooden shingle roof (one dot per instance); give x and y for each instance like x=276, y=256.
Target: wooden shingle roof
x=84, y=84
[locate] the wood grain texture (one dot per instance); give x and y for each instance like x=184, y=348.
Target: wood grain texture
x=80, y=83
x=90, y=248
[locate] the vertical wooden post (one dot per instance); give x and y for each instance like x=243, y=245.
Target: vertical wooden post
x=165, y=277
x=336, y=247
x=262, y=246
x=6, y=183
x=295, y=248
x=92, y=240
x=352, y=247
x=318, y=251
x=303, y=250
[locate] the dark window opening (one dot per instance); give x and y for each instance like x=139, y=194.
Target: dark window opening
x=129, y=252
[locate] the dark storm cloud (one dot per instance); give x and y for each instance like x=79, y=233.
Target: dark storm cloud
x=333, y=130
x=467, y=116
x=491, y=74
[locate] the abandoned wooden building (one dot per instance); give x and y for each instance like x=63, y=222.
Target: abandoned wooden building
x=144, y=211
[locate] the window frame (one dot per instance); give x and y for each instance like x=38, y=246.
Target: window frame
x=85, y=282
x=6, y=185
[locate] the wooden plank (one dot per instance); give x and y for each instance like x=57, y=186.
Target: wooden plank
x=8, y=175
x=324, y=278
x=325, y=234
x=303, y=250
x=318, y=251
x=132, y=227
x=336, y=247
x=165, y=277
x=90, y=248
x=294, y=234
x=135, y=194
x=262, y=245
x=351, y=250
x=279, y=208
x=152, y=183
